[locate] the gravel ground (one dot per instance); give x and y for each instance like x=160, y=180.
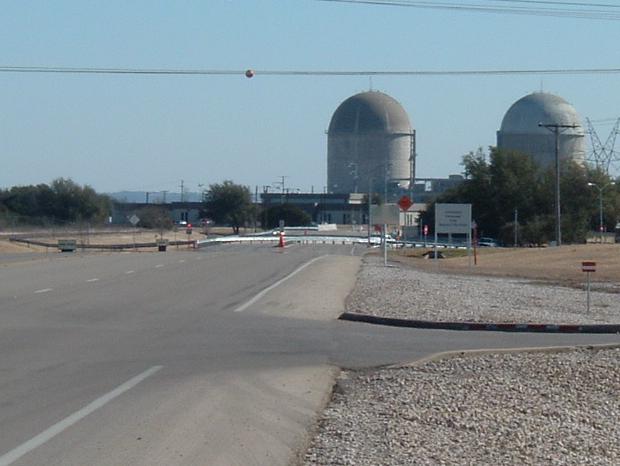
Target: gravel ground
x=406, y=293
x=497, y=409
x=538, y=408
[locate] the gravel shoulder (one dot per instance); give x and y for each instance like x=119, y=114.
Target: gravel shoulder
x=530, y=408
x=495, y=409
x=408, y=293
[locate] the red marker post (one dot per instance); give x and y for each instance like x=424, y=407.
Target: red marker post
x=588, y=267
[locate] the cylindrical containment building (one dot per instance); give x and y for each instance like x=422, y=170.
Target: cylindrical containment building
x=370, y=145
x=529, y=125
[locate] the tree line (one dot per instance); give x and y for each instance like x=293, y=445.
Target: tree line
x=504, y=182
x=62, y=201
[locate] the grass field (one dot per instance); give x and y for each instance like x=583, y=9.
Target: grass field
x=562, y=265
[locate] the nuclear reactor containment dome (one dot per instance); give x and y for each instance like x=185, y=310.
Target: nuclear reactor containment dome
x=370, y=140
x=521, y=130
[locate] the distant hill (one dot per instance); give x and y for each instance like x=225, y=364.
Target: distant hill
x=154, y=198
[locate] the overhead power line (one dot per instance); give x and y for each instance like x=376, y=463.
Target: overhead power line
x=252, y=73
x=578, y=10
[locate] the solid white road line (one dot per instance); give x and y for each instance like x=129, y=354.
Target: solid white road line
x=243, y=307
x=59, y=427
x=44, y=290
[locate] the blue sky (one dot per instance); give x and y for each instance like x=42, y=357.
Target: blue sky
x=151, y=132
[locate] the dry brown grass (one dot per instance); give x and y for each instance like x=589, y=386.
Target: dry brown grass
x=562, y=265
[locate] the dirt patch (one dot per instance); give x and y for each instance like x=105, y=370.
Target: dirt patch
x=7, y=246
x=560, y=265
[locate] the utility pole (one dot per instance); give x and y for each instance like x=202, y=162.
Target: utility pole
x=369, y=202
x=516, y=226
x=281, y=183
x=557, y=129
x=147, y=197
x=164, y=192
x=182, y=191
x=255, y=206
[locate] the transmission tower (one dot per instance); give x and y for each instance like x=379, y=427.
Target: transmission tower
x=603, y=155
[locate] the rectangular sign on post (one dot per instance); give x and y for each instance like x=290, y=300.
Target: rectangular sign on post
x=588, y=266
x=453, y=218
x=388, y=214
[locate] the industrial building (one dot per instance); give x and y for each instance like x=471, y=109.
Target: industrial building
x=528, y=127
x=370, y=146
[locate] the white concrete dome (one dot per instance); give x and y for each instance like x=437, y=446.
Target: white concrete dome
x=521, y=129
x=525, y=115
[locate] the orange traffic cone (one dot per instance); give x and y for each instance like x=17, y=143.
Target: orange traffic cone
x=281, y=244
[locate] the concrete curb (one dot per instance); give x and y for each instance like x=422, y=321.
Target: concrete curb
x=446, y=355
x=481, y=326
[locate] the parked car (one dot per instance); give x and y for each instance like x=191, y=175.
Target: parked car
x=485, y=242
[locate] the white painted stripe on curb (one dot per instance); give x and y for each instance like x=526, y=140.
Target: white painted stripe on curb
x=46, y=435
x=44, y=290
x=262, y=293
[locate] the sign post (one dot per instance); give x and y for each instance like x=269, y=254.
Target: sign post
x=588, y=267
x=386, y=214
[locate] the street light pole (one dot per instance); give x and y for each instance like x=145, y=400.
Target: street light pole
x=557, y=129
x=601, y=227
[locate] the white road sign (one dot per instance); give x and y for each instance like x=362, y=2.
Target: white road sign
x=453, y=218
x=388, y=214
x=134, y=219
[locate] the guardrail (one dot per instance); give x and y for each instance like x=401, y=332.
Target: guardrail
x=119, y=246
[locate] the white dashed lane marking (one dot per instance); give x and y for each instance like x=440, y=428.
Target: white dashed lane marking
x=44, y=290
x=129, y=272
x=91, y=280
x=61, y=426
x=159, y=266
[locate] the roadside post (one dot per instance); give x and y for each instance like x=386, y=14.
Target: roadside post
x=134, y=220
x=588, y=267
x=474, y=227
x=188, y=232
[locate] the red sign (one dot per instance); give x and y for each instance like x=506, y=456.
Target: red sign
x=588, y=266
x=404, y=203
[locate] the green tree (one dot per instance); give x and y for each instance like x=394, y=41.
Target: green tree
x=509, y=181
x=154, y=217
x=292, y=216
x=230, y=204
x=62, y=201
x=72, y=202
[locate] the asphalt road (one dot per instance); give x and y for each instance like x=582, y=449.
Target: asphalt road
x=184, y=358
